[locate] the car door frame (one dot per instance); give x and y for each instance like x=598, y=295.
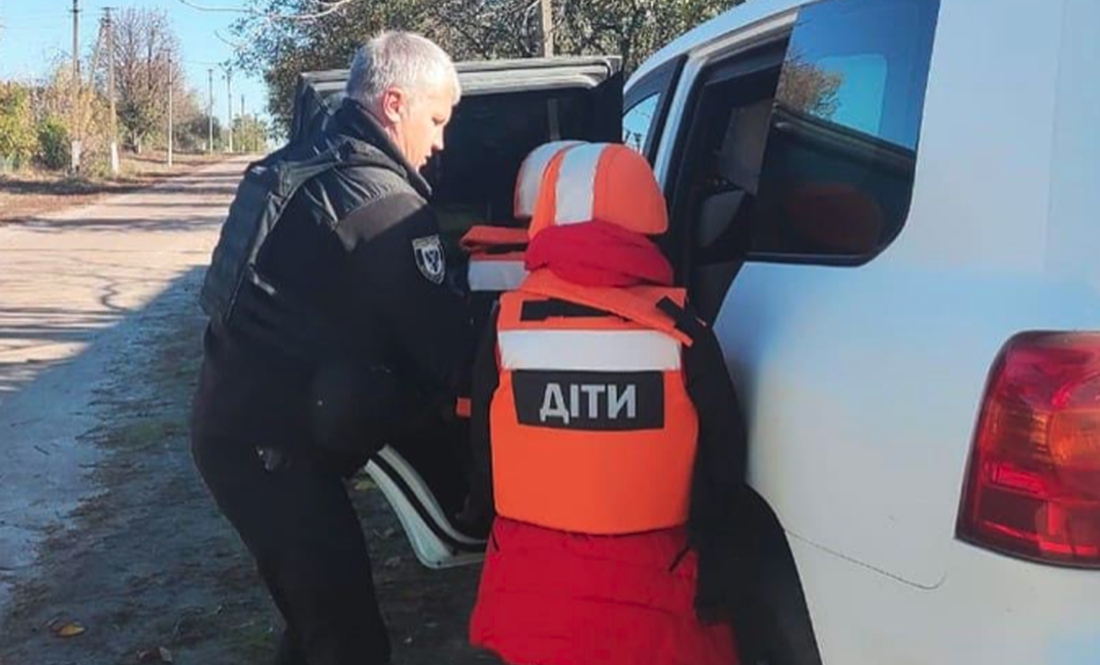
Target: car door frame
x=782, y=630
x=693, y=70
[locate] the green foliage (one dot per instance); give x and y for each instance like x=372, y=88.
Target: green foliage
x=192, y=134
x=17, y=136
x=467, y=29
x=249, y=134
x=53, y=143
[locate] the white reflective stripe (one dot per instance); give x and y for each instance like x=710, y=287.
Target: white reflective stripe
x=589, y=350
x=576, y=184
x=495, y=275
x=530, y=175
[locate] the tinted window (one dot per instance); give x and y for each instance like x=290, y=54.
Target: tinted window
x=646, y=104
x=638, y=121
x=837, y=174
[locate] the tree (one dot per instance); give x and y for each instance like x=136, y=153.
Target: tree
x=634, y=29
x=53, y=143
x=279, y=48
x=193, y=132
x=146, y=56
x=808, y=88
x=87, y=120
x=250, y=134
x=18, y=140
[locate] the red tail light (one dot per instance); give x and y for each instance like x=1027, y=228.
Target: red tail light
x=1033, y=486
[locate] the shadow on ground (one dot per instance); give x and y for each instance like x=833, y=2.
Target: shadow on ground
x=148, y=562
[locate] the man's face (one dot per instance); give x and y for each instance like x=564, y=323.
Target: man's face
x=416, y=120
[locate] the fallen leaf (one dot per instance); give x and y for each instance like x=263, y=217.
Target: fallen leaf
x=69, y=629
x=363, y=485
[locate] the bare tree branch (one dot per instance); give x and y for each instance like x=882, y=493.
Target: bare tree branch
x=326, y=9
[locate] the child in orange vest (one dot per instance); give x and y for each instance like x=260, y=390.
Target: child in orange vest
x=609, y=438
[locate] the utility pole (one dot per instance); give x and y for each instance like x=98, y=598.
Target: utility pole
x=76, y=44
x=75, y=147
x=95, y=55
x=547, y=28
x=210, y=112
x=548, y=52
x=243, y=137
x=229, y=101
x=111, y=116
x=171, y=84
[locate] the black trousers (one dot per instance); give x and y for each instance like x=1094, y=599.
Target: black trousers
x=300, y=526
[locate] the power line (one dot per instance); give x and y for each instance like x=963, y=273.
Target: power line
x=231, y=43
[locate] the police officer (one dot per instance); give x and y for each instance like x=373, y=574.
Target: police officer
x=345, y=329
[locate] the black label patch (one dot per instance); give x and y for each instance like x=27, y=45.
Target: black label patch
x=597, y=401
x=430, y=259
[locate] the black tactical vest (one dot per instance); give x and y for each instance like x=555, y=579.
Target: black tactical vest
x=235, y=292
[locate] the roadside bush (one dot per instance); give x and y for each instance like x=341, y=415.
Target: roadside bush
x=17, y=137
x=53, y=143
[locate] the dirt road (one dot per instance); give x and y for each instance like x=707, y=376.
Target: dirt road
x=106, y=533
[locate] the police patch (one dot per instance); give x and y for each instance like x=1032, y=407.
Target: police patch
x=430, y=259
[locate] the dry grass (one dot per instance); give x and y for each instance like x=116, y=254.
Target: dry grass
x=32, y=192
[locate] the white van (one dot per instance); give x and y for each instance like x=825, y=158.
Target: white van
x=889, y=209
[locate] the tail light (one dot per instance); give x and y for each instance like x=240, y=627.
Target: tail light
x=1033, y=484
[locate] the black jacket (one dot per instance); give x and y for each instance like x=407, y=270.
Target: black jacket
x=360, y=247
x=718, y=524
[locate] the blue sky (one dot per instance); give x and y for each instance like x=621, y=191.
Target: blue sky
x=36, y=33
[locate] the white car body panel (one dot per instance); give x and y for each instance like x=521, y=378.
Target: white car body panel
x=862, y=384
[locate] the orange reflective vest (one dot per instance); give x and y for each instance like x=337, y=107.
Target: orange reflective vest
x=592, y=429
x=496, y=258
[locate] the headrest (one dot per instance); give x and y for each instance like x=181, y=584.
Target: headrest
x=608, y=182
x=530, y=175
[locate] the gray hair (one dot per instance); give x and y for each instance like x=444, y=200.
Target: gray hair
x=399, y=59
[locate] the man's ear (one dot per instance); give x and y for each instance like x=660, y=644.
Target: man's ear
x=394, y=104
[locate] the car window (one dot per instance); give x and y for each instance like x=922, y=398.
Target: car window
x=804, y=150
x=646, y=105
x=837, y=176
x=638, y=121
x=861, y=93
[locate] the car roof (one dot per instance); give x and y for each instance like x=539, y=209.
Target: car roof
x=732, y=19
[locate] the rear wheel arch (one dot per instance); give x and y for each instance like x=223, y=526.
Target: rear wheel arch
x=775, y=628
